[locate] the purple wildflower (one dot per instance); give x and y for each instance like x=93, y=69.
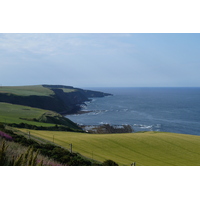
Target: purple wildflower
x=6, y=136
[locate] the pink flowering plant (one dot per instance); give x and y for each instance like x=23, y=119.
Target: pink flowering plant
x=6, y=136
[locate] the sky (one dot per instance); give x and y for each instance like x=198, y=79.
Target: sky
x=100, y=59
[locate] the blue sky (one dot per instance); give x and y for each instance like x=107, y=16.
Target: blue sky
x=101, y=60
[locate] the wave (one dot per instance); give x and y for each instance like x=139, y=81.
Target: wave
x=153, y=127
x=103, y=123
x=96, y=112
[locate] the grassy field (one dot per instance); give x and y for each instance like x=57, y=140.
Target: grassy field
x=146, y=149
x=11, y=113
x=38, y=90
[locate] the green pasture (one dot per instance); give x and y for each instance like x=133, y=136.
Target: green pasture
x=38, y=90
x=11, y=113
x=146, y=149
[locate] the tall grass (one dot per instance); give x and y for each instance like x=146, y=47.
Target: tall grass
x=14, y=154
x=3, y=157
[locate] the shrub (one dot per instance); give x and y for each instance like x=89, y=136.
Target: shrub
x=109, y=163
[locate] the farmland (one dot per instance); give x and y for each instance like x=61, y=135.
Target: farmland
x=146, y=149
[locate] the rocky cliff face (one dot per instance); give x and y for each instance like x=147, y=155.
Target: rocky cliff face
x=91, y=94
x=43, y=102
x=71, y=101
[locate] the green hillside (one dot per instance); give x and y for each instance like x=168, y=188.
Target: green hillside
x=11, y=113
x=16, y=114
x=146, y=149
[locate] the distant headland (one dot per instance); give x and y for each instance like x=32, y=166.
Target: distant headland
x=58, y=98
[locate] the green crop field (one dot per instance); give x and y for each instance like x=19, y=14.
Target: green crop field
x=38, y=90
x=11, y=113
x=146, y=149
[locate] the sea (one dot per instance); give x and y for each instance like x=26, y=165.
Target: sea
x=174, y=110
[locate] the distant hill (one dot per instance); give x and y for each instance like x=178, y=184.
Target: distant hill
x=58, y=98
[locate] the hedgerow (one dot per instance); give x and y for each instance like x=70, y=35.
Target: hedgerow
x=50, y=128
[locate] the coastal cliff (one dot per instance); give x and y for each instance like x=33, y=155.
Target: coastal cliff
x=58, y=98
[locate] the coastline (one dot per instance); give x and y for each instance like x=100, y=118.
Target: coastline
x=76, y=107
